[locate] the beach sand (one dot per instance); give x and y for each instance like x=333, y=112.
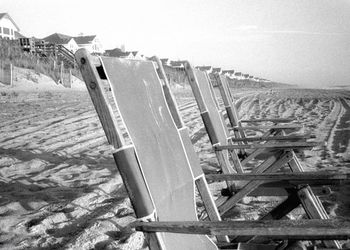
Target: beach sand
x=60, y=188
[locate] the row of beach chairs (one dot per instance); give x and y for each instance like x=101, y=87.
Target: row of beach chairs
x=161, y=170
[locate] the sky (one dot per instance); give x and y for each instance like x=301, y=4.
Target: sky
x=304, y=42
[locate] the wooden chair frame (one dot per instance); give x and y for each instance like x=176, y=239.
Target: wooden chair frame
x=286, y=155
x=140, y=197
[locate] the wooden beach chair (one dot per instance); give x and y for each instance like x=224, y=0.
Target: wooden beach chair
x=159, y=171
x=274, y=132
x=223, y=144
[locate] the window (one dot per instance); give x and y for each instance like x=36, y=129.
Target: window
x=11, y=31
x=6, y=31
x=0, y=30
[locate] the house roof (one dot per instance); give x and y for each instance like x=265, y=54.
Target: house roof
x=117, y=52
x=216, y=70
x=84, y=39
x=18, y=35
x=3, y=15
x=229, y=71
x=57, y=38
x=177, y=63
x=204, y=68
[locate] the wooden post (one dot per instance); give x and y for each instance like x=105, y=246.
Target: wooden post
x=61, y=73
x=273, y=229
x=11, y=75
x=70, y=78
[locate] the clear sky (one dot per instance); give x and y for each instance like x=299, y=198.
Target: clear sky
x=305, y=42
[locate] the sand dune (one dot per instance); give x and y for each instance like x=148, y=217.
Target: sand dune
x=59, y=184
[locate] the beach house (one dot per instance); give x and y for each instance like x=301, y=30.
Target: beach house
x=8, y=27
x=91, y=43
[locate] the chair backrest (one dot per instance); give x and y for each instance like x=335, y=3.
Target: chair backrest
x=160, y=151
x=228, y=100
x=212, y=118
x=212, y=108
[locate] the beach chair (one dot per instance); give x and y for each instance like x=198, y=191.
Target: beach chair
x=158, y=171
x=275, y=132
x=223, y=144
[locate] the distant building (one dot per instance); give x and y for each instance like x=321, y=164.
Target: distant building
x=165, y=62
x=116, y=53
x=213, y=76
x=207, y=69
x=179, y=65
x=124, y=54
x=239, y=76
x=217, y=71
x=59, y=39
x=246, y=76
x=8, y=28
x=91, y=43
x=229, y=73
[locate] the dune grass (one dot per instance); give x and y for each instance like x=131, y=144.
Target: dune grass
x=11, y=52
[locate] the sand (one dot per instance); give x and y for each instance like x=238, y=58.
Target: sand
x=60, y=187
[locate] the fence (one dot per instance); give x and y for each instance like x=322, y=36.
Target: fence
x=65, y=76
x=6, y=73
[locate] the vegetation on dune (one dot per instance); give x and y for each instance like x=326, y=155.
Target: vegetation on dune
x=11, y=52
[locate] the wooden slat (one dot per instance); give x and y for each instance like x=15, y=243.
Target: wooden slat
x=272, y=138
x=270, y=165
x=284, y=145
x=268, y=190
x=280, y=229
x=277, y=213
x=260, y=150
x=293, y=176
x=275, y=120
x=287, y=126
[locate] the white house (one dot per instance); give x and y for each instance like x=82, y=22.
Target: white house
x=179, y=65
x=91, y=43
x=64, y=40
x=229, y=73
x=217, y=71
x=208, y=69
x=165, y=61
x=8, y=27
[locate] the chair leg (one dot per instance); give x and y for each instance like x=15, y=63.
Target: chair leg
x=276, y=163
x=311, y=203
x=209, y=204
x=277, y=213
